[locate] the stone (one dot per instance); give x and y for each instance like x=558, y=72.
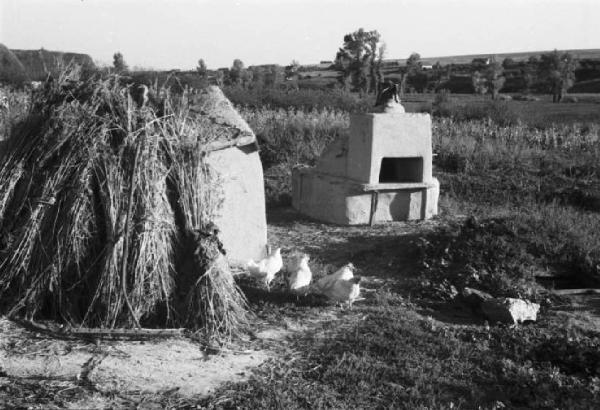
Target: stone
x=474, y=298
x=509, y=310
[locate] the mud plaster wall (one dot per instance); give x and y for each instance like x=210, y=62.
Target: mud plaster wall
x=242, y=217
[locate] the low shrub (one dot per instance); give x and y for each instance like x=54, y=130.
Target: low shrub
x=497, y=111
x=288, y=138
x=299, y=99
x=503, y=255
x=525, y=97
x=569, y=99
x=442, y=103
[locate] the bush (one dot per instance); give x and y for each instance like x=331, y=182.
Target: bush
x=525, y=97
x=302, y=99
x=502, y=255
x=442, y=103
x=288, y=138
x=570, y=99
x=497, y=111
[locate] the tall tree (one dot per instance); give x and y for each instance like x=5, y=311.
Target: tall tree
x=558, y=72
x=508, y=63
x=413, y=63
x=494, y=77
x=201, y=69
x=235, y=73
x=415, y=78
x=220, y=78
x=479, y=83
x=377, y=68
x=119, y=63
x=274, y=75
x=246, y=77
x=258, y=76
x=292, y=69
x=357, y=58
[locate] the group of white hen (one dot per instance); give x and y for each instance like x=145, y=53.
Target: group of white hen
x=341, y=286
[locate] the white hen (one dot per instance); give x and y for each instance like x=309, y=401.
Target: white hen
x=344, y=290
x=267, y=268
x=344, y=273
x=301, y=276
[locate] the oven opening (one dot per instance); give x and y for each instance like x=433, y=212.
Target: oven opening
x=401, y=170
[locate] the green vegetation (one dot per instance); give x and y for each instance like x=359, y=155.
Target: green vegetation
x=532, y=197
x=119, y=63
x=360, y=61
x=288, y=138
x=390, y=357
x=520, y=199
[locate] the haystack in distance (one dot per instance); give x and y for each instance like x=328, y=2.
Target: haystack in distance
x=106, y=210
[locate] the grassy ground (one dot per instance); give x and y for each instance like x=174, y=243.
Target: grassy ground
x=519, y=202
x=405, y=346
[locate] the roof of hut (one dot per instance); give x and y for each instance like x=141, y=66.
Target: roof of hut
x=231, y=128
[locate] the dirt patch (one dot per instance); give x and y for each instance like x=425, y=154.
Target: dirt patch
x=175, y=364
x=172, y=364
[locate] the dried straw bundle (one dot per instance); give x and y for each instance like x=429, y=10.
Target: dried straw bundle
x=97, y=198
x=210, y=299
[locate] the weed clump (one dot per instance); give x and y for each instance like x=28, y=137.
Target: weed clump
x=504, y=256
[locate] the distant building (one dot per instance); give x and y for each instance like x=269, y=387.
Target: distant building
x=391, y=63
x=481, y=61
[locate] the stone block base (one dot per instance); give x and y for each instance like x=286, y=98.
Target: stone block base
x=346, y=202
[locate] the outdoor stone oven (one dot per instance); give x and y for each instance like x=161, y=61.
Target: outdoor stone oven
x=381, y=172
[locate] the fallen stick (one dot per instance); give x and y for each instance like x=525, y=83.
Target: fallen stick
x=88, y=332
x=566, y=292
x=141, y=332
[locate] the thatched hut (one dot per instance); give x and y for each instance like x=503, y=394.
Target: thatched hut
x=119, y=211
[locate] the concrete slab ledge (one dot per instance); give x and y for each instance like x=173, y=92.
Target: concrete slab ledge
x=399, y=186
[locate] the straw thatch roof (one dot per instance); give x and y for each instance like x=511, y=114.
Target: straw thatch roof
x=232, y=129
x=106, y=209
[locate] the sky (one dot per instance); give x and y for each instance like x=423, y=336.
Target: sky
x=163, y=34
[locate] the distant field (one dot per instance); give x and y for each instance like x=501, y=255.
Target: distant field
x=591, y=86
x=522, y=56
x=536, y=113
x=581, y=97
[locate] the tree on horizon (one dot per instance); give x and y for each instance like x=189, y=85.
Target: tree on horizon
x=558, y=72
x=119, y=63
x=358, y=60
